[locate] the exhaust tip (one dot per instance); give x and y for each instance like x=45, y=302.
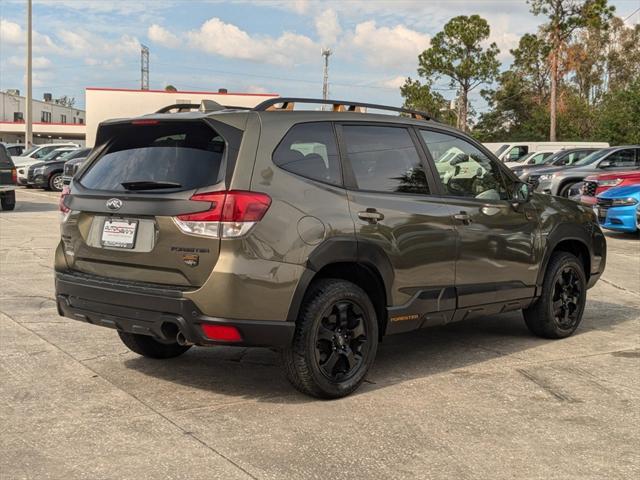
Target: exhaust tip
x=182, y=340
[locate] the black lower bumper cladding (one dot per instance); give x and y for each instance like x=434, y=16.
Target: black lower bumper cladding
x=154, y=310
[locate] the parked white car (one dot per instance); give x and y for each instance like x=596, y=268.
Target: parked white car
x=34, y=155
x=509, y=152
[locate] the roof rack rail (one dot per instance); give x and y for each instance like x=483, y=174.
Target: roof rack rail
x=204, y=106
x=288, y=104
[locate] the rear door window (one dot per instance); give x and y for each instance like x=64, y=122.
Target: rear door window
x=310, y=150
x=384, y=159
x=169, y=155
x=623, y=158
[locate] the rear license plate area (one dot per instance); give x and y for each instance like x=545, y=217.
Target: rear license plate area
x=119, y=233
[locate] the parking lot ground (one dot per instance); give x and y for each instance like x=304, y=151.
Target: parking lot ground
x=477, y=399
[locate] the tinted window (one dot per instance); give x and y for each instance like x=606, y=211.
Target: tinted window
x=464, y=170
x=623, y=158
x=189, y=155
x=309, y=150
x=384, y=159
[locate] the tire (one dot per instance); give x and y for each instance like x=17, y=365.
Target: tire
x=8, y=200
x=335, y=340
x=559, y=318
x=150, y=347
x=564, y=191
x=55, y=182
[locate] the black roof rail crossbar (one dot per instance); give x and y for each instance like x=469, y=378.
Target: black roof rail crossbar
x=179, y=106
x=338, y=105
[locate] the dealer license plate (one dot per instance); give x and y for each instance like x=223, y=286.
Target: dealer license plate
x=119, y=233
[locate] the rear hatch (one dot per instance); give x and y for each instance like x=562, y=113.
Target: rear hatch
x=122, y=216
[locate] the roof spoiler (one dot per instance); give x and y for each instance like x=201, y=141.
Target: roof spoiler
x=205, y=106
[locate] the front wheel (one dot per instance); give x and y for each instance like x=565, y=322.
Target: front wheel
x=150, y=347
x=566, y=189
x=558, y=311
x=56, y=182
x=335, y=340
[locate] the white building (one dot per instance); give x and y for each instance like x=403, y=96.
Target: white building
x=54, y=122
x=107, y=103
x=51, y=121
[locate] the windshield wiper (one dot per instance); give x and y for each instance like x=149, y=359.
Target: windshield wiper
x=149, y=185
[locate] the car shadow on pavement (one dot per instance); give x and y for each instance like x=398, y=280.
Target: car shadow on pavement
x=622, y=235
x=254, y=373
x=30, y=207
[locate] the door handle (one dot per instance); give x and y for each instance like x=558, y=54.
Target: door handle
x=370, y=215
x=464, y=217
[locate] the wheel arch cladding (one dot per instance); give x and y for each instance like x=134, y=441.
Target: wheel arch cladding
x=361, y=263
x=568, y=238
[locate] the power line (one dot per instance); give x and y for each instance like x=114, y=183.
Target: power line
x=631, y=14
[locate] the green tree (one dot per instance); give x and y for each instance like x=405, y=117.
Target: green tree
x=530, y=62
x=458, y=53
x=420, y=96
x=66, y=101
x=565, y=18
x=623, y=55
x=618, y=116
x=170, y=88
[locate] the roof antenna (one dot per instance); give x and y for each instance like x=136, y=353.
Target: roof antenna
x=210, y=106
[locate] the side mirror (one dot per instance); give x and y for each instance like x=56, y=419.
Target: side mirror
x=606, y=164
x=521, y=193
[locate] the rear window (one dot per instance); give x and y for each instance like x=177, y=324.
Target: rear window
x=184, y=155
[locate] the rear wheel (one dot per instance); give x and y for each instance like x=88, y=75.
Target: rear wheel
x=150, y=347
x=564, y=191
x=335, y=340
x=8, y=200
x=558, y=311
x=56, y=182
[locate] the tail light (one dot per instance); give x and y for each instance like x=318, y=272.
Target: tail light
x=230, y=214
x=64, y=210
x=14, y=176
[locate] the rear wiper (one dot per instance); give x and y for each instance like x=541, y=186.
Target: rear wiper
x=149, y=185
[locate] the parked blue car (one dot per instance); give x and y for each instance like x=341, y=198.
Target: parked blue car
x=619, y=208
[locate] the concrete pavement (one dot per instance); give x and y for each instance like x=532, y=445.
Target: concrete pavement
x=478, y=399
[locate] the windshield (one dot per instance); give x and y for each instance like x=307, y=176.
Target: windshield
x=524, y=159
x=501, y=149
x=54, y=155
x=593, y=157
x=30, y=150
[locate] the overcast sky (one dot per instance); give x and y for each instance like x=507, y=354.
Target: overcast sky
x=245, y=46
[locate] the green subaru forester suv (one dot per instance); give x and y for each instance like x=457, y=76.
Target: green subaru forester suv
x=316, y=232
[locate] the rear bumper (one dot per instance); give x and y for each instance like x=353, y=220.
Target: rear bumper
x=156, y=311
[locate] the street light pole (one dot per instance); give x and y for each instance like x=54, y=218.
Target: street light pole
x=28, y=129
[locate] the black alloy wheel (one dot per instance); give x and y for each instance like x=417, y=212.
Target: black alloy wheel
x=567, y=293
x=341, y=341
x=558, y=311
x=335, y=340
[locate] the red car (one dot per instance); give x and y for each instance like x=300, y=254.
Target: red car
x=596, y=184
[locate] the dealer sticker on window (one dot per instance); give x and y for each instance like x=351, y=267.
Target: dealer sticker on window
x=119, y=233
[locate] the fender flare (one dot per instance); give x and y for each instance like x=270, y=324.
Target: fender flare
x=342, y=250
x=563, y=232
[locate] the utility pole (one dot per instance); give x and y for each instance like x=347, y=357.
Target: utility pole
x=144, y=68
x=28, y=110
x=325, y=77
